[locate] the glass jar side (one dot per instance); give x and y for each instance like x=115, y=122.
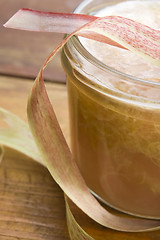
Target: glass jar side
x=115, y=132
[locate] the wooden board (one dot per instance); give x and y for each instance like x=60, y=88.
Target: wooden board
x=31, y=203
x=22, y=53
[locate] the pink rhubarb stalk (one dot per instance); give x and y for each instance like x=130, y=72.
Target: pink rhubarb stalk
x=38, y=21
x=50, y=140
x=114, y=30
x=32, y=20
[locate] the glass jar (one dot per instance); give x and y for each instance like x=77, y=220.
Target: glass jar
x=115, y=128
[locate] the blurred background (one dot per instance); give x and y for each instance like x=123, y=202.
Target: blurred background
x=22, y=53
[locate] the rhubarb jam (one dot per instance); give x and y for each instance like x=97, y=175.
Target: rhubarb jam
x=114, y=104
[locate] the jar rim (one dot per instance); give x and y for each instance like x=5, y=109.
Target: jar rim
x=89, y=57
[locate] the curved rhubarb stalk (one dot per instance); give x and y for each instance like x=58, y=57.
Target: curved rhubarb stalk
x=50, y=140
x=47, y=133
x=121, y=32
x=39, y=21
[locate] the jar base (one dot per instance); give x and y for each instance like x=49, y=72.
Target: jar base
x=121, y=211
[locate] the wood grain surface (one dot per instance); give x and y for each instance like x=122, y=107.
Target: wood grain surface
x=31, y=203
x=21, y=52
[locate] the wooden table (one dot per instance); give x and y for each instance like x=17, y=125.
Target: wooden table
x=31, y=204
